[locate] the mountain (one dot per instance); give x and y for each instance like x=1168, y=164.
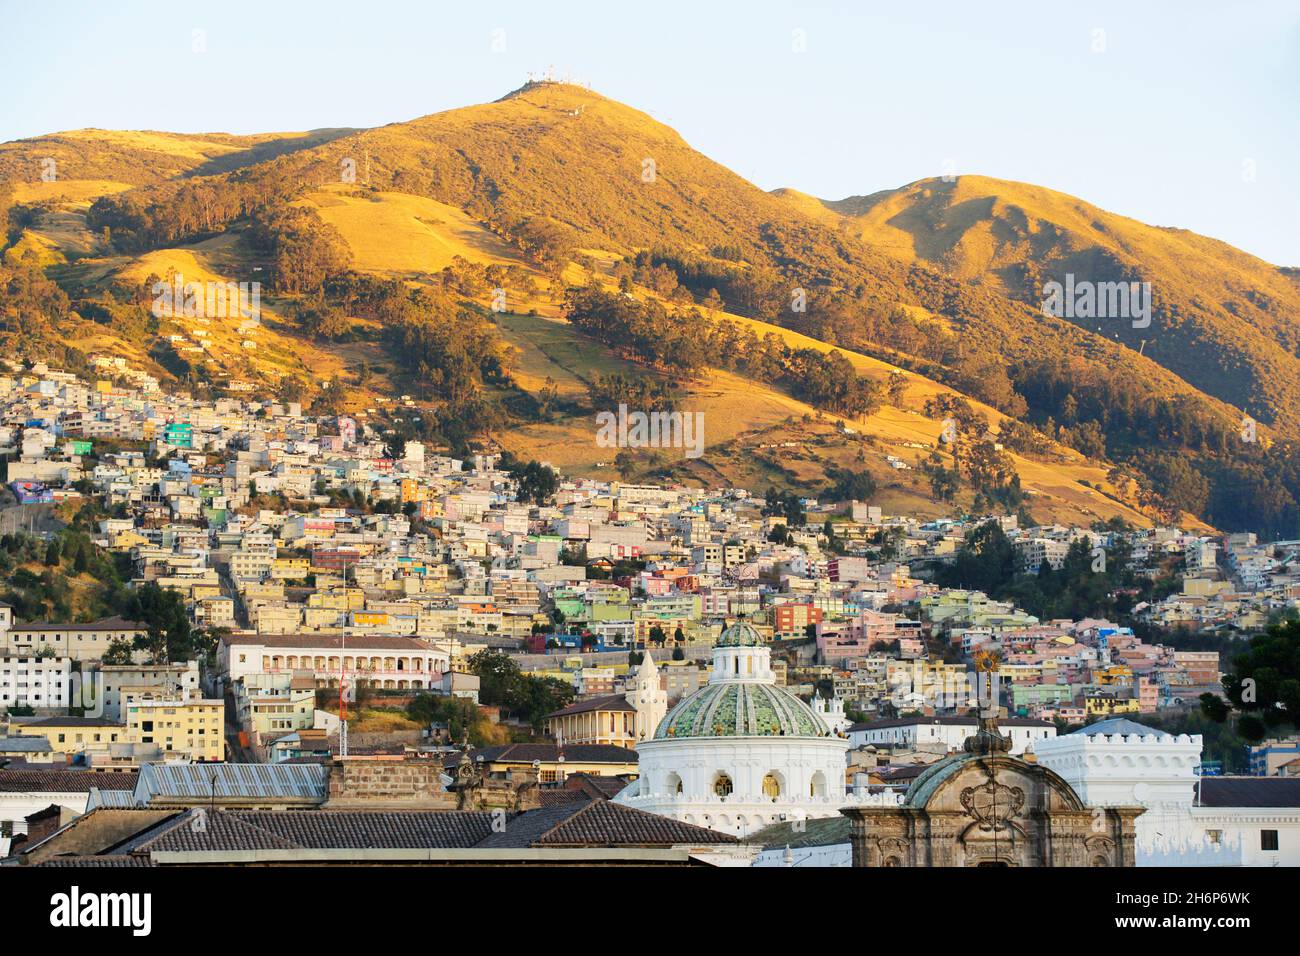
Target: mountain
x=1224, y=321
x=936, y=287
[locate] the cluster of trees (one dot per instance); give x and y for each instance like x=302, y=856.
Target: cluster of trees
x=645, y=331
x=534, y=481
x=450, y=349
x=548, y=242
x=170, y=636
x=167, y=213
x=448, y=346
x=462, y=717
x=1088, y=583
x=849, y=485
x=79, y=582
x=503, y=684
x=1263, y=685
x=304, y=250
x=784, y=504
x=976, y=457
x=639, y=392
x=48, y=592
x=684, y=343
x=1192, y=457
x=34, y=306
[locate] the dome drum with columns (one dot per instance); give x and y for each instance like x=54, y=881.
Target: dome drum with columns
x=741, y=753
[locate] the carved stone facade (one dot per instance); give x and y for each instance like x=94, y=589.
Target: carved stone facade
x=987, y=808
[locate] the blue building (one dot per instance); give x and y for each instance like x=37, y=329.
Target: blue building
x=1271, y=754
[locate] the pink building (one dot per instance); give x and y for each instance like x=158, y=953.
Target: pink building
x=856, y=637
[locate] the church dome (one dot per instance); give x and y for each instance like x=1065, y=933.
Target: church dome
x=738, y=709
x=740, y=634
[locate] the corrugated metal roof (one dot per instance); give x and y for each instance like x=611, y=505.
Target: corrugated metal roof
x=1120, y=725
x=234, y=780
x=109, y=798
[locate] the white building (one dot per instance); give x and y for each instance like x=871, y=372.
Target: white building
x=1190, y=820
x=831, y=711
x=42, y=683
x=741, y=753
x=383, y=661
x=176, y=679
x=23, y=793
x=951, y=732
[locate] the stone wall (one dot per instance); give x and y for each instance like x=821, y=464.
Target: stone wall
x=359, y=782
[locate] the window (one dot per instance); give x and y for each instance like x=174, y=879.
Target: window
x=1214, y=836
x=1268, y=839
x=817, y=786
x=722, y=785
x=771, y=786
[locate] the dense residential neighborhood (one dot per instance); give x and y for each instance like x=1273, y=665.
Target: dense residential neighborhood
x=328, y=617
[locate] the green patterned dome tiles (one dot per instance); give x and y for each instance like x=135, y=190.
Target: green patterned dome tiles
x=740, y=634
x=736, y=709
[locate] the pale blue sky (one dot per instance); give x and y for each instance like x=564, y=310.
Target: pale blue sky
x=1157, y=126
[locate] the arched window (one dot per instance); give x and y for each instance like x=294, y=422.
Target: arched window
x=772, y=786
x=817, y=786
x=722, y=785
x=673, y=784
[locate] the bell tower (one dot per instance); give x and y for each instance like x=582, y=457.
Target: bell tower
x=648, y=697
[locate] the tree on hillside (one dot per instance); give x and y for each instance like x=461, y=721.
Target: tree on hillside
x=986, y=559
x=1263, y=686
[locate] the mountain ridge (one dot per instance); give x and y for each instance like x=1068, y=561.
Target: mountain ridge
x=945, y=278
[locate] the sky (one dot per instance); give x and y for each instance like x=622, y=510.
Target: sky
x=1174, y=112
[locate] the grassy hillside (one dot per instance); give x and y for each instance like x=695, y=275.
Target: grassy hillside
x=119, y=158
x=1225, y=321
x=554, y=186
x=758, y=437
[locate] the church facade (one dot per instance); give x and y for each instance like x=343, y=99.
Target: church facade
x=984, y=807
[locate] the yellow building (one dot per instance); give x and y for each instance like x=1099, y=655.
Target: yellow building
x=291, y=569
x=341, y=598
x=1114, y=674
x=1100, y=706
x=556, y=764
x=194, y=727
x=75, y=735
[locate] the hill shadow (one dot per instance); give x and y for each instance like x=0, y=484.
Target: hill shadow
x=271, y=149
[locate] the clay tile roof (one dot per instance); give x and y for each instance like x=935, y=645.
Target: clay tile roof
x=322, y=829
x=63, y=781
x=594, y=785
x=120, y=860
x=547, y=753
x=553, y=797
x=599, y=823
x=355, y=642
x=608, y=702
